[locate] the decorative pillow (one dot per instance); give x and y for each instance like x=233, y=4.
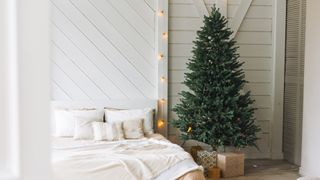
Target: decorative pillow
x=99, y=131
x=78, y=109
x=83, y=123
x=133, y=129
x=207, y=159
x=120, y=115
x=64, y=123
x=115, y=131
x=107, y=131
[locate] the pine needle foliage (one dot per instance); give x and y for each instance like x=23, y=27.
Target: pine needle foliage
x=215, y=110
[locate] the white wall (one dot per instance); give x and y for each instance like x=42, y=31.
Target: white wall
x=104, y=50
x=256, y=50
x=108, y=51
x=310, y=161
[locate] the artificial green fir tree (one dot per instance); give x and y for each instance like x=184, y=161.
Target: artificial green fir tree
x=215, y=110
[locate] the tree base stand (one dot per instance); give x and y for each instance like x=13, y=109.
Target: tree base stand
x=214, y=173
x=231, y=164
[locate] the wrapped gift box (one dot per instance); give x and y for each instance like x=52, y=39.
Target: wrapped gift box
x=231, y=164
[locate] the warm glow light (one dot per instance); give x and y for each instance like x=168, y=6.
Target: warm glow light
x=161, y=13
x=165, y=35
x=162, y=100
x=160, y=56
x=160, y=123
x=163, y=79
x=189, y=129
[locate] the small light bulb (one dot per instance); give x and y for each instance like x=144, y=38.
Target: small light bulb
x=161, y=13
x=160, y=56
x=160, y=123
x=165, y=35
x=162, y=100
x=189, y=129
x=163, y=79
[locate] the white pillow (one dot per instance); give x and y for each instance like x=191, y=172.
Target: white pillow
x=133, y=129
x=99, y=131
x=83, y=122
x=64, y=123
x=107, y=131
x=121, y=115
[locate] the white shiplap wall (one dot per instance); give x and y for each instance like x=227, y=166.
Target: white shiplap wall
x=104, y=49
x=255, y=40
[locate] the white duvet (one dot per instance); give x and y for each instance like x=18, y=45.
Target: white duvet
x=148, y=158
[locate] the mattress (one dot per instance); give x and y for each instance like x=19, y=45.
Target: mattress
x=153, y=157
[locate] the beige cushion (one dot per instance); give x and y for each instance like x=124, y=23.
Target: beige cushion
x=133, y=129
x=115, y=131
x=107, y=131
x=146, y=114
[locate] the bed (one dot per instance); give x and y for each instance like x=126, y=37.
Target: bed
x=150, y=157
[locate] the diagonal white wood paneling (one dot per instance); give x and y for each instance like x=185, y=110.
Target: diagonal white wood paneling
x=93, y=68
x=239, y=16
x=73, y=71
x=59, y=93
x=202, y=9
x=144, y=11
x=137, y=22
x=152, y=4
x=103, y=49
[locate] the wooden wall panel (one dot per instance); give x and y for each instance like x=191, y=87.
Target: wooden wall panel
x=104, y=49
x=255, y=47
x=110, y=47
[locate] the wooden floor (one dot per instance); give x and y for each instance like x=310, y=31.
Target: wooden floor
x=268, y=170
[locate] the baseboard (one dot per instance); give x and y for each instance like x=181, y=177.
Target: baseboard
x=314, y=174
x=261, y=155
x=277, y=156
x=301, y=171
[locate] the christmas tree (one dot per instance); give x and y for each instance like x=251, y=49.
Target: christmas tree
x=215, y=110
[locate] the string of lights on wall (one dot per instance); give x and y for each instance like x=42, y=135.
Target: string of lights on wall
x=163, y=79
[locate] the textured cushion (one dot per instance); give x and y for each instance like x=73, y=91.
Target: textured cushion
x=115, y=131
x=83, y=123
x=133, y=129
x=207, y=159
x=107, y=131
x=121, y=115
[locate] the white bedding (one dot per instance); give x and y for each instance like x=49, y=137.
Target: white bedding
x=148, y=158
